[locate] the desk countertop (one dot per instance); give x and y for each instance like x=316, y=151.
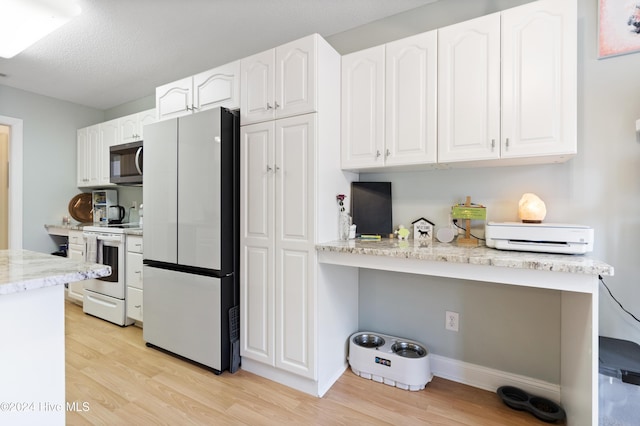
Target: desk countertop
x=23, y=270
x=480, y=255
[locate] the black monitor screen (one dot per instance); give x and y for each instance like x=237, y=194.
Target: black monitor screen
x=371, y=207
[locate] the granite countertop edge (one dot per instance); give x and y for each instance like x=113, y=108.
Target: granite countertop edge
x=478, y=255
x=80, y=227
x=23, y=270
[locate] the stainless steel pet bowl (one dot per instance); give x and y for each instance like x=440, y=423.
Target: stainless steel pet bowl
x=368, y=340
x=408, y=350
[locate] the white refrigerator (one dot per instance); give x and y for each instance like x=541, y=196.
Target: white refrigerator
x=191, y=238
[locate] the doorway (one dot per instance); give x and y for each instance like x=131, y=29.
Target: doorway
x=12, y=170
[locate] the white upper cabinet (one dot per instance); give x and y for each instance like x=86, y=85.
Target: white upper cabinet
x=90, y=156
x=174, y=99
x=109, y=136
x=219, y=86
x=131, y=127
x=507, y=86
x=411, y=102
x=469, y=90
x=93, y=144
x=389, y=104
x=539, y=79
x=363, y=108
x=279, y=82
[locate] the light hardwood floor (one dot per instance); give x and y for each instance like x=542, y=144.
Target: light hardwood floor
x=116, y=380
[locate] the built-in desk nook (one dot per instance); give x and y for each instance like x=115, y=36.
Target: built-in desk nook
x=576, y=277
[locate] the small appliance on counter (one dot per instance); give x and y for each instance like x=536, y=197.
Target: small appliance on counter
x=102, y=200
x=540, y=237
x=115, y=214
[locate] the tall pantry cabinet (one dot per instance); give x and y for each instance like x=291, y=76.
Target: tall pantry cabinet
x=290, y=176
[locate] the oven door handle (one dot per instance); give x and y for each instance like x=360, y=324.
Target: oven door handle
x=108, y=239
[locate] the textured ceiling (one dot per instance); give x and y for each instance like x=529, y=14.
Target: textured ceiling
x=117, y=51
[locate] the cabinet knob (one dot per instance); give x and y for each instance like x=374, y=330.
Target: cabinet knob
x=377, y=153
x=493, y=144
x=269, y=168
x=388, y=153
x=507, y=143
x=277, y=105
x=269, y=106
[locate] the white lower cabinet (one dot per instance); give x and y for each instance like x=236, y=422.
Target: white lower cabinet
x=134, y=277
x=76, y=251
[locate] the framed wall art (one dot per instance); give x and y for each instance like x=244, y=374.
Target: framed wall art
x=618, y=27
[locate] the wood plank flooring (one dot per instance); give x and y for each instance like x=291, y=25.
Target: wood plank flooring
x=116, y=380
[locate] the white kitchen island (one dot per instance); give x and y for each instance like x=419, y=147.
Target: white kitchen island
x=32, y=359
x=576, y=277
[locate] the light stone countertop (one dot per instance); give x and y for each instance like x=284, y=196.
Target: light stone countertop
x=480, y=255
x=63, y=230
x=23, y=270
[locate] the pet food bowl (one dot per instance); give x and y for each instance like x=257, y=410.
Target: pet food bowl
x=391, y=360
x=542, y=408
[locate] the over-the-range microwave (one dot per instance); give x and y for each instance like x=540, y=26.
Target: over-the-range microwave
x=125, y=163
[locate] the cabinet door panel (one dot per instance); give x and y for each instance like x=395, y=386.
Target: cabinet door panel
x=294, y=169
x=293, y=296
x=411, y=103
x=95, y=154
x=257, y=168
x=469, y=90
x=82, y=158
x=363, y=108
x=174, y=99
x=539, y=74
x=296, y=77
x=217, y=87
x=257, y=87
x=134, y=270
x=256, y=290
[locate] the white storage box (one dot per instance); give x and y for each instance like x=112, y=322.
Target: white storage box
x=391, y=360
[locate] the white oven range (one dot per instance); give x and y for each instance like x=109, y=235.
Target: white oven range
x=106, y=297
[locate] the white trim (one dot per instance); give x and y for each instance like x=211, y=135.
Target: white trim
x=15, y=180
x=490, y=379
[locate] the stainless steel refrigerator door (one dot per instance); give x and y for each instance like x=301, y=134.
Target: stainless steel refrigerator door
x=199, y=209
x=182, y=314
x=160, y=195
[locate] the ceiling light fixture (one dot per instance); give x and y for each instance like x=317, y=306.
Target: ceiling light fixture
x=26, y=21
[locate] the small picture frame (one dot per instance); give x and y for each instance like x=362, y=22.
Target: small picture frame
x=618, y=27
x=423, y=229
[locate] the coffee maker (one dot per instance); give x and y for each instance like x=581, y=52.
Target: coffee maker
x=102, y=201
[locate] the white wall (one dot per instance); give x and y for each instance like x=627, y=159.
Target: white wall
x=600, y=188
x=49, y=159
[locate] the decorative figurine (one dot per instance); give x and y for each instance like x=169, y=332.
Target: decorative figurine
x=402, y=232
x=423, y=229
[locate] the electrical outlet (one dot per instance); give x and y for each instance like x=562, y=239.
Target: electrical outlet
x=451, y=321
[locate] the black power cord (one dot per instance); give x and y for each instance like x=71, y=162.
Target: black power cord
x=455, y=222
x=616, y=300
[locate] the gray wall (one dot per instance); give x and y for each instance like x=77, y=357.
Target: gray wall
x=49, y=159
x=600, y=188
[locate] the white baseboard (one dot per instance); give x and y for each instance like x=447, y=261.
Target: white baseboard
x=490, y=379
